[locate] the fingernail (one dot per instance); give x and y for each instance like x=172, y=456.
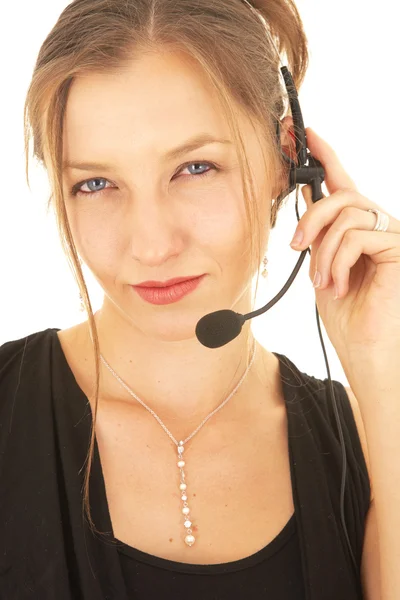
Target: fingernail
x=317, y=279
x=297, y=238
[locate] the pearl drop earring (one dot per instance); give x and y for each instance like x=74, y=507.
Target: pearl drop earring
x=265, y=262
x=82, y=306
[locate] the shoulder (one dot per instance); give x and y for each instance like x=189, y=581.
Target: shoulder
x=12, y=349
x=311, y=397
x=21, y=357
x=9, y=350
x=11, y=355
x=352, y=428
x=361, y=431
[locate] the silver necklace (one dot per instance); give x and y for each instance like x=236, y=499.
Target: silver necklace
x=187, y=523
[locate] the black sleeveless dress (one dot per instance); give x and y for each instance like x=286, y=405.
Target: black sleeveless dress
x=48, y=552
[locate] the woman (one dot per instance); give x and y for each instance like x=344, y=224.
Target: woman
x=145, y=126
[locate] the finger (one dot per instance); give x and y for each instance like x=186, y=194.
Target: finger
x=306, y=190
x=350, y=217
x=342, y=210
x=336, y=177
x=381, y=248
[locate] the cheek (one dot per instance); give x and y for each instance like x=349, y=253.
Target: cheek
x=104, y=247
x=219, y=223
x=96, y=238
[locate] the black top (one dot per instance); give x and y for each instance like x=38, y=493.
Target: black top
x=273, y=572
x=48, y=552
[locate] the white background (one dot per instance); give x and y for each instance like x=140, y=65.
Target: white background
x=348, y=98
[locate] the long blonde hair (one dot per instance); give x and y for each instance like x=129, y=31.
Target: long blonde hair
x=228, y=39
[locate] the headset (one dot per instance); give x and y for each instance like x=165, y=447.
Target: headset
x=219, y=328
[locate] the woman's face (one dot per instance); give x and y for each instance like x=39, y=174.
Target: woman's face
x=145, y=214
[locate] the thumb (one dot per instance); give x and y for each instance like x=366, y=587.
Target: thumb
x=306, y=190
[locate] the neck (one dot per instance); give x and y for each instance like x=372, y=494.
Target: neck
x=180, y=379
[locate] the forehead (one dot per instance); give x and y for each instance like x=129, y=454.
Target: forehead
x=150, y=104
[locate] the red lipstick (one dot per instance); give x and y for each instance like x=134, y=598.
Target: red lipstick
x=158, y=284
x=162, y=292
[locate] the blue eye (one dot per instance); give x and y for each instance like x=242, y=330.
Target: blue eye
x=197, y=164
x=76, y=189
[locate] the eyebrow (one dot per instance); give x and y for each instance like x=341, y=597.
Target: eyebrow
x=192, y=144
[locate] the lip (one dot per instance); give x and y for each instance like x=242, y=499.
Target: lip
x=168, y=294
x=158, y=284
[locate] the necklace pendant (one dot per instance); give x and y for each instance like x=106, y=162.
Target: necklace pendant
x=189, y=538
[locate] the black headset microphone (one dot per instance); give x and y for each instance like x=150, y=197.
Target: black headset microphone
x=221, y=327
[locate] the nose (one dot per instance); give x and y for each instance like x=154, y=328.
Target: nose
x=156, y=233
